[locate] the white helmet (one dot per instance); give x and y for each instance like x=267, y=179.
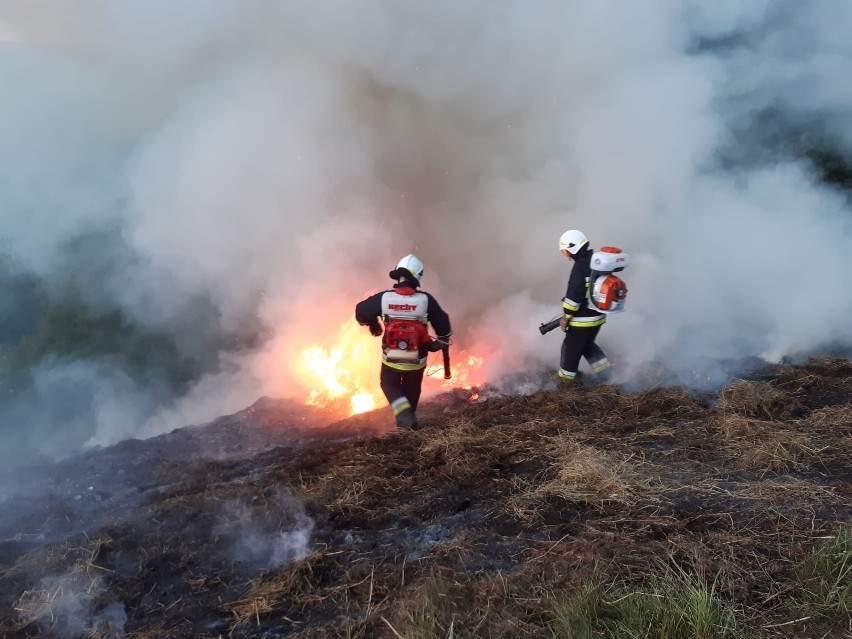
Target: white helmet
x=413, y=265
x=572, y=241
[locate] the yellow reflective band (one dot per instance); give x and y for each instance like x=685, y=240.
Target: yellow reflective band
x=401, y=407
x=566, y=375
x=570, y=304
x=581, y=324
x=405, y=367
x=601, y=366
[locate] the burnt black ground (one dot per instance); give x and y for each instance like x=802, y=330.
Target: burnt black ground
x=274, y=522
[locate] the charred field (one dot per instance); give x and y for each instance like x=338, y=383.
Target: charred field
x=579, y=513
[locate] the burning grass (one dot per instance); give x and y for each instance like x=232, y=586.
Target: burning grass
x=586, y=513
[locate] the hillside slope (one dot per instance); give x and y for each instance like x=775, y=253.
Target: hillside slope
x=556, y=514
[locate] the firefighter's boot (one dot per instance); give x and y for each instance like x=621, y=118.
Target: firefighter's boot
x=605, y=376
x=565, y=382
x=407, y=420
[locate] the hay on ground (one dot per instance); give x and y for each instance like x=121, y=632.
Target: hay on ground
x=585, y=474
x=757, y=400
x=765, y=446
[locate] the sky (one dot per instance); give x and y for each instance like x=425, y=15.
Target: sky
x=218, y=171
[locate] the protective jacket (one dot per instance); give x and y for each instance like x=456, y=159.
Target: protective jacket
x=576, y=300
x=404, y=302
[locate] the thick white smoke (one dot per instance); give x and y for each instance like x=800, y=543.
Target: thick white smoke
x=266, y=164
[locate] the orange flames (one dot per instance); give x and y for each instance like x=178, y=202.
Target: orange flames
x=343, y=373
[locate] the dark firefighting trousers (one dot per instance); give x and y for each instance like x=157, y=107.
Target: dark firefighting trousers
x=580, y=342
x=402, y=389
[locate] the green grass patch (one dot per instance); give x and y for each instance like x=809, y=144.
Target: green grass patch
x=673, y=605
x=825, y=579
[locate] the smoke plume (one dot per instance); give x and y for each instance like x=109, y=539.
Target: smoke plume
x=212, y=185
x=267, y=535
x=73, y=604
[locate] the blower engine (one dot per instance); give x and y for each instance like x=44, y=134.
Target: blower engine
x=608, y=292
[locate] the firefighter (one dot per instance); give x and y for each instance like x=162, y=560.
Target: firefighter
x=406, y=313
x=580, y=322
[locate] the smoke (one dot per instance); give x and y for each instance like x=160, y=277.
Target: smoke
x=229, y=178
x=73, y=605
x=264, y=535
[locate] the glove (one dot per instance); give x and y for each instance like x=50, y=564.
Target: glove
x=563, y=322
x=375, y=329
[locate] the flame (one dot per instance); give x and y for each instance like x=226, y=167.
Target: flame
x=466, y=371
x=362, y=402
x=343, y=373
x=466, y=375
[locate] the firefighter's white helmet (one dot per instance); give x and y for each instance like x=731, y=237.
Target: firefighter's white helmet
x=413, y=265
x=572, y=241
